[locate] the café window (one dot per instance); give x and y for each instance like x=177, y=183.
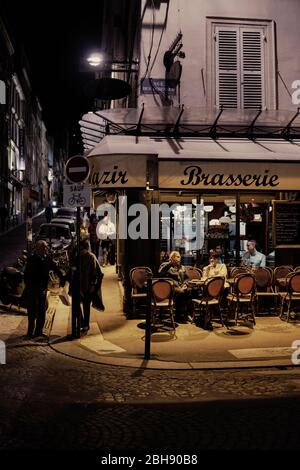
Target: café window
x=216, y=221
x=241, y=63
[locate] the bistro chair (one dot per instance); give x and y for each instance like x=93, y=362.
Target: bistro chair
x=211, y=299
x=138, y=278
x=264, y=285
x=238, y=270
x=193, y=273
x=291, y=296
x=281, y=272
x=297, y=269
x=243, y=295
x=162, y=302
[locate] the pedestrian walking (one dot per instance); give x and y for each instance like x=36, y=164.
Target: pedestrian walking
x=49, y=213
x=90, y=281
x=36, y=277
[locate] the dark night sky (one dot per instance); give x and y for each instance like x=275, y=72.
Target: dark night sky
x=57, y=36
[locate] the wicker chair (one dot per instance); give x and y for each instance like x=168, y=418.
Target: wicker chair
x=244, y=294
x=193, y=273
x=279, y=272
x=238, y=270
x=211, y=298
x=264, y=285
x=291, y=296
x=162, y=302
x=138, y=278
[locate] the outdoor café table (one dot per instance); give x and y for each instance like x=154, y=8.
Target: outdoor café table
x=196, y=286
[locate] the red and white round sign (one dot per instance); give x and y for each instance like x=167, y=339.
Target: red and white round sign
x=77, y=169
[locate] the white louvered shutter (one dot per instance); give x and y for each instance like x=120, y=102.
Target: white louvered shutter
x=252, y=68
x=239, y=67
x=227, y=67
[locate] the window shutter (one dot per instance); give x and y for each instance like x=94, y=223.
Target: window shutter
x=227, y=67
x=252, y=68
x=240, y=67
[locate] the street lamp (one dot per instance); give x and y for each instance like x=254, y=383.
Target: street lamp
x=95, y=59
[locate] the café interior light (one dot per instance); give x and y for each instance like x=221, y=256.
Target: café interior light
x=208, y=208
x=214, y=222
x=225, y=220
x=229, y=202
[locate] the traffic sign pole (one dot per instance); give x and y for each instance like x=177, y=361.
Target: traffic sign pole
x=76, y=310
x=77, y=170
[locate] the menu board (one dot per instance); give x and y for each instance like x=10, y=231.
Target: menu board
x=286, y=224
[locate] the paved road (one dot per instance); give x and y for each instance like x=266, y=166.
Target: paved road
x=51, y=401
x=13, y=242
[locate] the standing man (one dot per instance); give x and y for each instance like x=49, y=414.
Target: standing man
x=36, y=277
x=252, y=257
x=107, y=232
x=90, y=281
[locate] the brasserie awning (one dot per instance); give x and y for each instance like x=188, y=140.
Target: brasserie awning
x=259, y=164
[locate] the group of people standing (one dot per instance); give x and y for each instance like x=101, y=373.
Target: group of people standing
x=36, y=277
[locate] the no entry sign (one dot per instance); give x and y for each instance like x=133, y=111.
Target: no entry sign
x=77, y=169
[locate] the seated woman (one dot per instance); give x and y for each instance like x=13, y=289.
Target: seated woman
x=174, y=270
x=214, y=269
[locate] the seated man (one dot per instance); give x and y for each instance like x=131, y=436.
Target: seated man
x=174, y=270
x=252, y=257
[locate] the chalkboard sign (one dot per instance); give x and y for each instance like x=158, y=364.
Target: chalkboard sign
x=286, y=224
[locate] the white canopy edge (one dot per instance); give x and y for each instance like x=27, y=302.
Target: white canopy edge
x=200, y=149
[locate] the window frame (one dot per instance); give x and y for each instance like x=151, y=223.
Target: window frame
x=270, y=80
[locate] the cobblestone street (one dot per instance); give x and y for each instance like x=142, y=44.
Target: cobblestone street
x=51, y=401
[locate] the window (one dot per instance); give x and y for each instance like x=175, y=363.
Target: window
x=241, y=63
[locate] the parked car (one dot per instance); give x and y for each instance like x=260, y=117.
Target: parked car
x=57, y=235
x=65, y=212
x=65, y=221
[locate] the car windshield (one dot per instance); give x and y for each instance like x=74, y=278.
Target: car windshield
x=49, y=231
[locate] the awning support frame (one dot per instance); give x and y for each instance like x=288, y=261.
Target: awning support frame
x=176, y=126
x=251, y=127
x=286, y=132
x=213, y=130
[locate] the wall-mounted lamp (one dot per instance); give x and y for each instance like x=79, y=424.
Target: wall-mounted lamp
x=95, y=59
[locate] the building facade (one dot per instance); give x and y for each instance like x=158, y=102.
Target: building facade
x=24, y=145
x=216, y=125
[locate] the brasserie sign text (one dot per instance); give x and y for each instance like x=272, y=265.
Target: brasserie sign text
x=229, y=175
x=195, y=175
